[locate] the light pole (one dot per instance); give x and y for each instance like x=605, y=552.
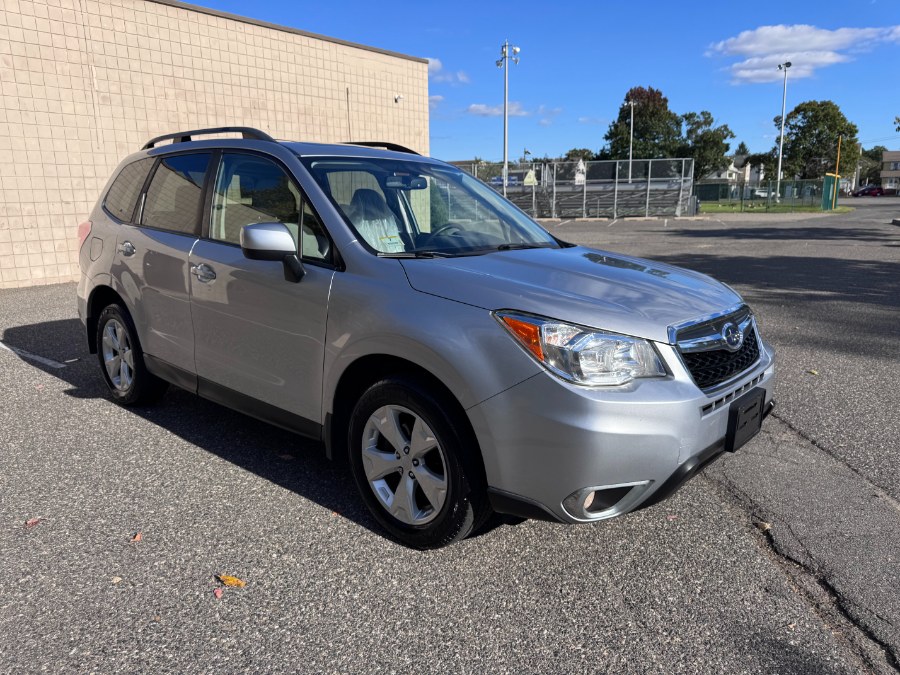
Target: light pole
x=781, y=66
x=506, y=53
x=630, y=138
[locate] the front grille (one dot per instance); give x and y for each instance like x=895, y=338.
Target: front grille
x=719, y=365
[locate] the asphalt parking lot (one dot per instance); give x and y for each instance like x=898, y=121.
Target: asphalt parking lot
x=781, y=558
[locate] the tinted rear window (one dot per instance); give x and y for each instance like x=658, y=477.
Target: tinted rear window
x=123, y=193
x=175, y=193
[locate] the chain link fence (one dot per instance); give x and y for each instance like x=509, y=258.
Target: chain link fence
x=602, y=189
x=793, y=195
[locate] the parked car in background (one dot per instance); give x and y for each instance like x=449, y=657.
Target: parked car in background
x=869, y=191
x=459, y=357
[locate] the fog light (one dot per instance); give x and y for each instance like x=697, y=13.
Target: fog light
x=605, y=501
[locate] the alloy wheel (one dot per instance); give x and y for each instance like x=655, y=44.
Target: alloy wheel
x=404, y=464
x=118, y=356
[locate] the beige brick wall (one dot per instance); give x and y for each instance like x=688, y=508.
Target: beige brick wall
x=84, y=83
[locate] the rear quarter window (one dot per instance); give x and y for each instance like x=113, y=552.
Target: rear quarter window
x=123, y=193
x=175, y=193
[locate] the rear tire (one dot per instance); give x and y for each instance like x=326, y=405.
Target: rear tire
x=122, y=360
x=416, y=464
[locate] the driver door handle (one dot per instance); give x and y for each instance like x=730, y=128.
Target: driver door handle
x=203, y=272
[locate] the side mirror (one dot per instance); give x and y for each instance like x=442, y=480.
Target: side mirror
x=272, y=241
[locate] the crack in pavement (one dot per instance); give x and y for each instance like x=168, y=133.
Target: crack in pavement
x=801, y=540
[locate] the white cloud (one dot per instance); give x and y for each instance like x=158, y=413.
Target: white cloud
x=599, y=121
x=808, y=48
x=434, y=101
x=547, y=115
x=437, y=73
x=482, y=110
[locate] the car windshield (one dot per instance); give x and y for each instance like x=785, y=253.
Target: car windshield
x=409, y=208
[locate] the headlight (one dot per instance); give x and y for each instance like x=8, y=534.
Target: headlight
x=583, y=355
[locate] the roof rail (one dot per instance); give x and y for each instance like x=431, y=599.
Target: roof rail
x=185, y=136
x=383, y=144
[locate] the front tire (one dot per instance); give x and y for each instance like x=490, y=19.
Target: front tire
x=415, y=463
x=122, y=360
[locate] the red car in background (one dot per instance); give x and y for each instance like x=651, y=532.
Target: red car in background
x=869, y=191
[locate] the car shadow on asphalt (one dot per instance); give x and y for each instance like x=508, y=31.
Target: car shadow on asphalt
x=278, y=456
x=786, y=233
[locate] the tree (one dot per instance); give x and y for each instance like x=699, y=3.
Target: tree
x=742, y=149
x=870, y=165
x=897, y=122
x=707, y=144
x=811, y=134
x=767, y=161
x=575, y=154
x=657, y=130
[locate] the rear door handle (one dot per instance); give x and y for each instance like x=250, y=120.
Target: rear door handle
x=126, y=248
x=203, y=272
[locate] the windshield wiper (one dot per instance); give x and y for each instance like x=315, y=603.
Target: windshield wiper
x=415, y=254
x=517, y=247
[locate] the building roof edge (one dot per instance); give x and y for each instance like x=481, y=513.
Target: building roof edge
x=286, y=29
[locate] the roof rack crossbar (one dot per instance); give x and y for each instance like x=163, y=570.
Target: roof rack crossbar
x=185, y=136
x=394, y=147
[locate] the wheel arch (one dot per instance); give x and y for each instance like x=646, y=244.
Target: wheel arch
x=100, y=297
x=365, y=371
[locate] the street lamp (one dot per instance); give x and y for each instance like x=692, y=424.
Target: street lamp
x=630, y=138
x=781, y=66
x=506, y=53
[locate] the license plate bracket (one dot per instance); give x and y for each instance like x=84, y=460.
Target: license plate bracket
x=745, y=418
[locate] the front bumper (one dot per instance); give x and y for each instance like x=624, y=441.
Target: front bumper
x=545, y=440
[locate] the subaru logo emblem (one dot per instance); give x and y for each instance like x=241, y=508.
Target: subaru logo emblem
x=733, y=336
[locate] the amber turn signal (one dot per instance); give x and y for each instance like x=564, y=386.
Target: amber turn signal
x=528, y=333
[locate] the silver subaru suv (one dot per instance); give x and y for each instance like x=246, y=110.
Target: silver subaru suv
x=461, y=359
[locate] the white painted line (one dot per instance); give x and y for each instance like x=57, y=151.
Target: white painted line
x=613, y=222
x=666, y=222
x=564, y=222
x=32, y=357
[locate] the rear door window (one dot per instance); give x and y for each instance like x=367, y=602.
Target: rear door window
x=175, y=195
x=123, y=193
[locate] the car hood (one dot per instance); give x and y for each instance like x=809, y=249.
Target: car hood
x=594, y=288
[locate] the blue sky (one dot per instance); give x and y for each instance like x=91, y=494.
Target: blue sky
x=579, y=59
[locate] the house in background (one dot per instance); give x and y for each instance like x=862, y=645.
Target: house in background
x=738, y=171
x=890, y=171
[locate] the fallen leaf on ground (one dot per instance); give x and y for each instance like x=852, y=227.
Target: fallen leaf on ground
x=671, y=517
x=813, y=372
x=138, y=537
x=231, y=581
x=218, y=593
x=765, y=527
x=32, y=522
x=792, y=626
x=335, y=514
x=116, y=580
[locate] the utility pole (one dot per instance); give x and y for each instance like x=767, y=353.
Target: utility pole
x=781, y=66
x=630, y=138
x=503, y=62
x=837, y=176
